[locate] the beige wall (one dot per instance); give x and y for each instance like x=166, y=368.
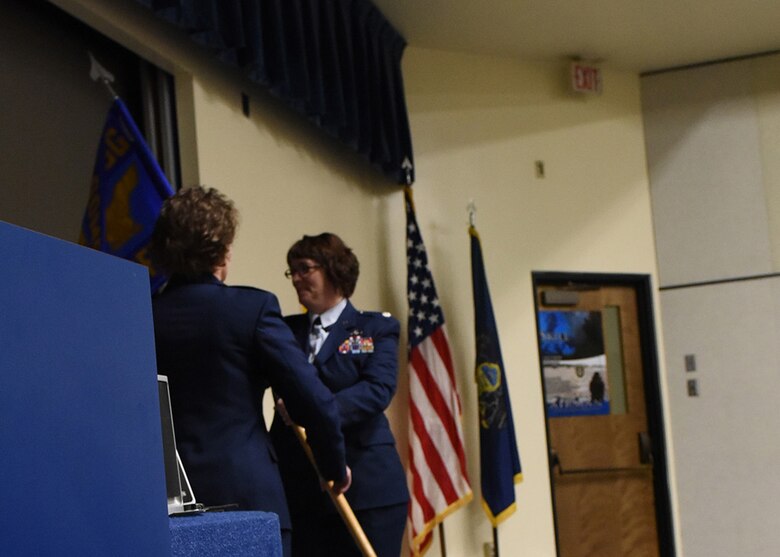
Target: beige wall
x=478, y=125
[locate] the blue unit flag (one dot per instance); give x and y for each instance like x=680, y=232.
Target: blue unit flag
x=499, y=459
x=127, y=191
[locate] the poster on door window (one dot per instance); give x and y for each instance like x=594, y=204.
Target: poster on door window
x=574, y=363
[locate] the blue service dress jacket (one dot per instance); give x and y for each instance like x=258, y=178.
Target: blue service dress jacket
x=359, y=363
x=221, y=348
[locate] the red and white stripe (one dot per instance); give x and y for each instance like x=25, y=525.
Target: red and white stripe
x=438, y=479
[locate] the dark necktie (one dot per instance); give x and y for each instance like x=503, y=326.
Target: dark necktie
x=315, y=338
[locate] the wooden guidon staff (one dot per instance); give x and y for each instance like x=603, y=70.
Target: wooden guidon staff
x=342, y=506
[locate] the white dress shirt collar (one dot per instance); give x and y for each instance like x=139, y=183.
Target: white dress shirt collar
x=329, y=316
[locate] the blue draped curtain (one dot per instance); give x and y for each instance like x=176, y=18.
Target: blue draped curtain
x=338, y=62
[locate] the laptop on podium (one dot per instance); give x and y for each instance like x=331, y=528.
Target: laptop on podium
x=181, y=499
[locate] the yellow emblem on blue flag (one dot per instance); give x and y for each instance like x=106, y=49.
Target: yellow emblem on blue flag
x=492, y=410
x=499, y=458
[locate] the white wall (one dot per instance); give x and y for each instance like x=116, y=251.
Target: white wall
x=703, y=147
x=712, y=137
x=727, y=454
x=478, y=125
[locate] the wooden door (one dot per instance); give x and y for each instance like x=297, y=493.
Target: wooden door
x=601, y=455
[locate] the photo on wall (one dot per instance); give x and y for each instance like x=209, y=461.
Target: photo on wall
x=574, y=363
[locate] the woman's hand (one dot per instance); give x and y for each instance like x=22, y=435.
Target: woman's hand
x=343, y=486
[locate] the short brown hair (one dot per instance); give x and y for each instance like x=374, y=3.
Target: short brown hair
x=339, y=263
x=194, y=232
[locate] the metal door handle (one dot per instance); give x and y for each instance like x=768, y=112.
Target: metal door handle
x=645, y=448
x=555, y=462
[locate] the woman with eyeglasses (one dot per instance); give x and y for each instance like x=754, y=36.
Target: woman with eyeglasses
x=221, y=347
x=356, y=355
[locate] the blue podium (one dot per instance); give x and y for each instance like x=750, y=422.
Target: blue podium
x=81, y=465
x=238, y=534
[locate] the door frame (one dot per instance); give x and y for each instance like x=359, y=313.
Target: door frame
x=649, y=354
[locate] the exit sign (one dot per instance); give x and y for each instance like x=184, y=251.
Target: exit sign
x=585, y=78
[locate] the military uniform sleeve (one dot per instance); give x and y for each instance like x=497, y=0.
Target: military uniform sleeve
x=309, y=402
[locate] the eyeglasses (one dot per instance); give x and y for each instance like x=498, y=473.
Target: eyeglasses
x=302, y=270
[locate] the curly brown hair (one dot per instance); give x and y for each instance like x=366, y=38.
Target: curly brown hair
x=339, y=263
x=194, y=232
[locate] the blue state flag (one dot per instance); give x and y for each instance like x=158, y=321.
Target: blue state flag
x=499, y=459
x=126, y=194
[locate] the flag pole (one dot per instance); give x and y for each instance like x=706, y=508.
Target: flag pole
x=342, y=506
x=495, y=541
x=443, y=543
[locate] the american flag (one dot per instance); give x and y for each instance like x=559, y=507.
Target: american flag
x=437, y=463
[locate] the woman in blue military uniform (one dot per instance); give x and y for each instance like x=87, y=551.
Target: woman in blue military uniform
x=221, y=348
x=356, y=355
